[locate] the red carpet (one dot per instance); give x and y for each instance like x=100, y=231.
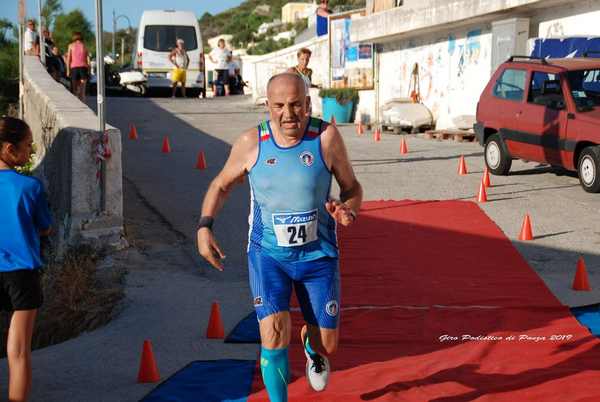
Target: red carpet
x=415, y=271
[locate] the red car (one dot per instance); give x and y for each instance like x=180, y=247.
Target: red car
x=543, y=110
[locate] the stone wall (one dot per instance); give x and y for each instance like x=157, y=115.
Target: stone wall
x=86, y=199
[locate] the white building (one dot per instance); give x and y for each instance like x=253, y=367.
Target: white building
x=265, y=26
x=285, y=35
x=293, y=12
x=457, y=44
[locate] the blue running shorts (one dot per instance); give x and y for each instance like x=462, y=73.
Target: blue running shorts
x=317, y=286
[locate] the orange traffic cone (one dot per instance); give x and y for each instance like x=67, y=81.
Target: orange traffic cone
x=462, y=166
x=581, y=281
x=215, y=324
x=359, y=128
x=148, y=371
x=166, y=147
x=486, y=177
x=482, y=196
x=332, y=120
x=526, y=232
x=201, y=164
x=377, y=134
x=133, y=135
x=403, y=147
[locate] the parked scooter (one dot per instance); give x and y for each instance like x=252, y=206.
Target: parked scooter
x=123, y=79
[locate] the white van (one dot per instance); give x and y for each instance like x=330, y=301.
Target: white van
x=157, y=34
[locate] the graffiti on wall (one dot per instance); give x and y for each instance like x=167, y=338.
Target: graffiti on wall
x=452, y=71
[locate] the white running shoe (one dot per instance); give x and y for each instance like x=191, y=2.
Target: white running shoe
x=317, y=371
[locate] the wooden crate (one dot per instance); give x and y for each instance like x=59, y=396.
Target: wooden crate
x=456, y=135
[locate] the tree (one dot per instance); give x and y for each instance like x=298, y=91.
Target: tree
x=49, y=12
x=5, y=26
x=66, y=24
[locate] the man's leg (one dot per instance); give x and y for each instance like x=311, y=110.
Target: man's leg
x=318, y=293
x=323, y=341
x=271, y=291
x=183, y=89
x=82, y=87
x=174, y=86
x=18, y=350
x=275, y=334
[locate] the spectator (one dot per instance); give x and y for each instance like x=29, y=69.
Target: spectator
x=78, y=66
x=302, y=68
x=25, y=217
x=221, y=57
x=203, y=73
x=51, y=62
x=60, y=71
x=236, y=82
x=48, y=42
x=30, y=38
x=181, y=61
x=322, y=15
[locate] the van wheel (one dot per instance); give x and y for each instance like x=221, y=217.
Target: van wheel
x=588, y=167
x=497, y=158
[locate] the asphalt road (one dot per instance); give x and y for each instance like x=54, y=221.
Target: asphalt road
x=169, y=288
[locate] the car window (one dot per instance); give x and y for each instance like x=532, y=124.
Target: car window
x=162, y=38
x=545, y=90
x=585, y=88
x=511, y=85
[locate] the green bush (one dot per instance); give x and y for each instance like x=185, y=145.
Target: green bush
x=341, y=95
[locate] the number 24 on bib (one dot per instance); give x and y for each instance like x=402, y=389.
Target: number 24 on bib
x=295, y=229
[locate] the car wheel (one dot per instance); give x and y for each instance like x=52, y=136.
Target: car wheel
x=496, y=157
x=588, y=168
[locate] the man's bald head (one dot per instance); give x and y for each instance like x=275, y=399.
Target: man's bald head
x=286, y=79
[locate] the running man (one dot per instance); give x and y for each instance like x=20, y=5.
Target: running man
x=290, y=160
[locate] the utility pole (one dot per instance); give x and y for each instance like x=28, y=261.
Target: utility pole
x=41, y=36
x=114, y=31
x=114, y=28
x=21, y=86
x=100, y=97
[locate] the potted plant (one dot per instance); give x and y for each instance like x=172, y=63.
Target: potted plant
x=338, y=102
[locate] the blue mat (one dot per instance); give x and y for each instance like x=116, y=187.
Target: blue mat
x=207, y=381
x=588, y=316
x=246, y=331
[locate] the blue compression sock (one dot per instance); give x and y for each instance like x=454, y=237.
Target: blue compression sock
x=275, y=372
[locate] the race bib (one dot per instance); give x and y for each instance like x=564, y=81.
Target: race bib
x=295, y=229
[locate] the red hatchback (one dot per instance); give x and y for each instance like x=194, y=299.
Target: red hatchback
x=546, y=111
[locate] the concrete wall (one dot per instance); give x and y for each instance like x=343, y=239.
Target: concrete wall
x=454, y=67
x=433, y=14
x=66, y=138
x=579, y=18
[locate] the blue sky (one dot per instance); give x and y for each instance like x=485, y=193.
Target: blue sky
x=131, y=8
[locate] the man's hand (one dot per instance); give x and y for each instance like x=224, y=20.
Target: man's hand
x=209, y=249
x=340, y=212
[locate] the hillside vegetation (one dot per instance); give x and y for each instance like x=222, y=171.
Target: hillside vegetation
x=243, y=21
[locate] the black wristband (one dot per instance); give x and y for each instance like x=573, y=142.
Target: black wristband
x=205, y=222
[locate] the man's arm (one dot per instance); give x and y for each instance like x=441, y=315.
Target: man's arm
x=351, y=193
x=171, y=57
x=243, y=155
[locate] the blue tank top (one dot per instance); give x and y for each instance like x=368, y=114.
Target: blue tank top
x=289, y=187
x=322, y=24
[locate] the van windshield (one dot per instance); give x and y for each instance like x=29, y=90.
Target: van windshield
x=162, y=38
